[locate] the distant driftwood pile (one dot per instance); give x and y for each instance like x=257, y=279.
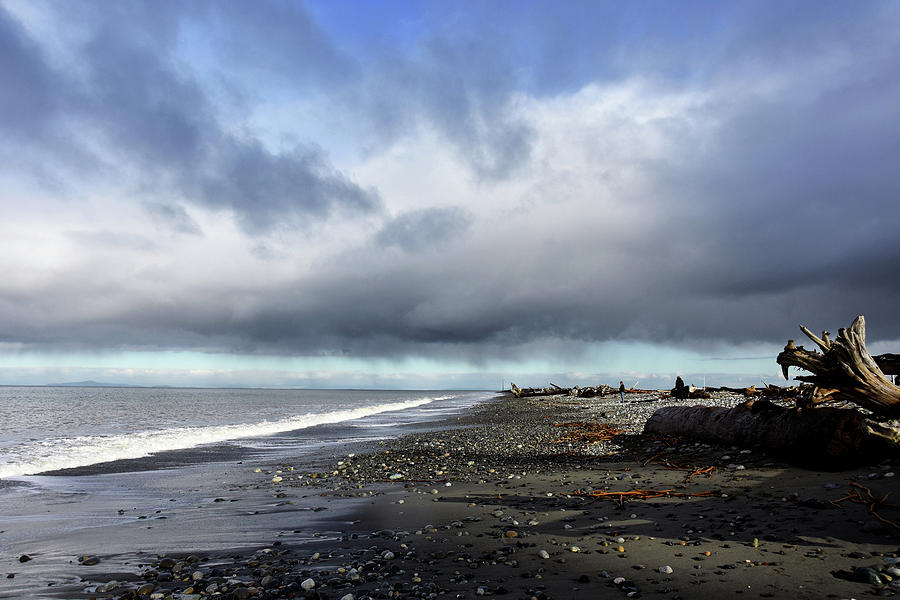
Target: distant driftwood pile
x=810, y=432
x=579, y=392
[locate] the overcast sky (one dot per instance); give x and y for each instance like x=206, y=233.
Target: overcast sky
x=442, y=194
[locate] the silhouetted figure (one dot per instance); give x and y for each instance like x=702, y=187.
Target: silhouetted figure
x=622, y=391
x=680, y=391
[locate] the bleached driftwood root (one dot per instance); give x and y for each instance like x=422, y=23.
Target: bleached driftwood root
x=845, y=366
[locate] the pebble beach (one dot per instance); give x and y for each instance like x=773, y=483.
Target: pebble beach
x=533, y=498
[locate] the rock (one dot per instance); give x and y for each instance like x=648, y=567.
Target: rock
x=387, y=555
x=167, y=564
x=146, y=589
x=544, y=554
x=866, y=575
x=89, y=560
x=308, y=584
x=24, y=558
x=666, y=570
x=108, y=586
x=347, y=597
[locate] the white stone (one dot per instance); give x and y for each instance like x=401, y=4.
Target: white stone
x=387, y=555
x=666, y=570
x=308, y=584
x=544, y=554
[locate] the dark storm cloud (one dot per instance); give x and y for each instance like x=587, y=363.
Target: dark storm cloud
x=424, y=229
x=27, y=95
x=775, y=201
x=155, y=120
x=173, y=217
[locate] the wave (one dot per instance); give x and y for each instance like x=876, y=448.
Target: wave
x=40, y=456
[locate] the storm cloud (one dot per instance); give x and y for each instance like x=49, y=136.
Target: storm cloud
x=469, y=182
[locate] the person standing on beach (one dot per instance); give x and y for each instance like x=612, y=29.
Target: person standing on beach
x=622, y=391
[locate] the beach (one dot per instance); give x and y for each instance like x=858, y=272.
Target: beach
x=513, y=497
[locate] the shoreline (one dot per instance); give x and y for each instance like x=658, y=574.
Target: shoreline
x=497, y=503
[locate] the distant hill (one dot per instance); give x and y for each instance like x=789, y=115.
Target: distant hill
x=89, y=383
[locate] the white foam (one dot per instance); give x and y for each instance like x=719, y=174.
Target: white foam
x=64, y=453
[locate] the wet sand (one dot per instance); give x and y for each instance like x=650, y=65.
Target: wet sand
x=496, y=503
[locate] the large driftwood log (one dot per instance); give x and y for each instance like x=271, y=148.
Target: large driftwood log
x=554, y=390
x=823, y=438
x=846, y=366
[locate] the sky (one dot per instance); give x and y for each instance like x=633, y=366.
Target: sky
x=442, y=194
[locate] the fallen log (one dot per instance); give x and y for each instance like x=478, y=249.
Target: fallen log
x=555, y=390
x=593, y=391
x=822, y=438
x=846, y=366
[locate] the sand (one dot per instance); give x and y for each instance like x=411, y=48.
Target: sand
x=498, y=503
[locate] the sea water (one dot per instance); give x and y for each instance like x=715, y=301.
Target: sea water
x=50, y=428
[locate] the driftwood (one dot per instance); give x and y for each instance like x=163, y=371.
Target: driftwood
x=553, y=390
x=593, y=391
x=846, y=369
x=579, y=392
x=824, y=438
x=770, y=390
x=808, y=433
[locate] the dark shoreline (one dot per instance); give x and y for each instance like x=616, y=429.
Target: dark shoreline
x=392, y=527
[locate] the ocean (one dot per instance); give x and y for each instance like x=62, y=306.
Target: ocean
x=51, y=428
x=119, y=471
